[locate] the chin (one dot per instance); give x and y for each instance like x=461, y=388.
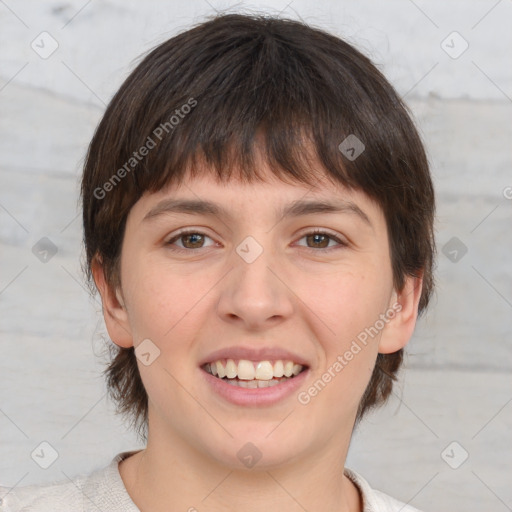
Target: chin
x=258, y=450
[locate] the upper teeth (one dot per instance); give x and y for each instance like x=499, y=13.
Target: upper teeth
x=249, y=370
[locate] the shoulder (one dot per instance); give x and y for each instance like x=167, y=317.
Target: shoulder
x=102, y=489
x=377, y=501
x=42, y=498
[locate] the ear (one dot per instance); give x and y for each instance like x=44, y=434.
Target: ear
x=400, y=327
x=114, y=310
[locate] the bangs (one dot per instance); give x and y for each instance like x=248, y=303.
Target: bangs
x=291, y=156
x=260, y=93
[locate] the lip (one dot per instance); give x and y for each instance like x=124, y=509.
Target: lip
x=255, y=396
x=252, y=354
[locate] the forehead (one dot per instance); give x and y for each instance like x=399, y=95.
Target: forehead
x=275, y=197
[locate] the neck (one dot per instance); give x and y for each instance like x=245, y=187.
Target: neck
x=170, y=475
x=156, y=480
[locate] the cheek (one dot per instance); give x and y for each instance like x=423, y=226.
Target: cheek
x=162, y=297
x=349, y=305
x=349, y=300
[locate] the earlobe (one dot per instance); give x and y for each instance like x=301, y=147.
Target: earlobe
x=400, y=327
x=114, y=310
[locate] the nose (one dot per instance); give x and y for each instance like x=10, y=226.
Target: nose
x=254, y=294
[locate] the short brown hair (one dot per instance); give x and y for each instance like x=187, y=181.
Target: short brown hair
x=242, y=76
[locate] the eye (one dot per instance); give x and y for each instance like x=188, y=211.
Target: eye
x=190, y=240
x=321, y=240
x=193, y=239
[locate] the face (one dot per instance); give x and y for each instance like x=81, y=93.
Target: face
x=261, y=275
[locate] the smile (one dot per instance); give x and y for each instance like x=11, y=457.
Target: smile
x=249, y=374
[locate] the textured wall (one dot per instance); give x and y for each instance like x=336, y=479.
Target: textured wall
x=457, y=385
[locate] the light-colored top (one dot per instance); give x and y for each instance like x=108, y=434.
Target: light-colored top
x=104, y=490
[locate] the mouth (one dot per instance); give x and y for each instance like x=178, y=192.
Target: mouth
x=245, y=373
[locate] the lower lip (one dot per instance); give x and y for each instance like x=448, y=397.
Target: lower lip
x=255, y=396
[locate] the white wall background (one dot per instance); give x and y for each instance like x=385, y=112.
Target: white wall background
x=457, y=383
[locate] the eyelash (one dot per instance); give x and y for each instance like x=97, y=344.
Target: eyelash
x=341, y=243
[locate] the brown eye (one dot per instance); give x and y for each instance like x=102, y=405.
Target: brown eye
x=192, y=241
x=322, y=240
x=188, y=240
x=319, y=240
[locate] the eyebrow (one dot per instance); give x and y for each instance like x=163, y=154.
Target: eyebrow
x=294, y=209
